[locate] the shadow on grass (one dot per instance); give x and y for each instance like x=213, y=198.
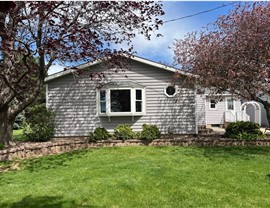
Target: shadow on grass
x=51, y=161
x=44, y=202
x=244, y=153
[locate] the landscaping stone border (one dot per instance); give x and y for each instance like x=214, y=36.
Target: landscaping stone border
x=61, y=145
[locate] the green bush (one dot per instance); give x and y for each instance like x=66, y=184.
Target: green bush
x=150, y=132
x=19, y=120
x=98, y=134
x=243, y=130
x=2, y=146
x=137, y=135
x=40, y=124
x=123, y=132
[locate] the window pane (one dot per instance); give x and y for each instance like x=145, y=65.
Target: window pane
x=103, y=107
x=138, y=106
x=120, y=101
x=212, y=104
x=230, y=104
x=138, y=94
x=170, y=90
x=102, y=95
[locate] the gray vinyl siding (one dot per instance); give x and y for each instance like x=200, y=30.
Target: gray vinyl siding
x=200, y=110
x=74, y=101
x=216, y=116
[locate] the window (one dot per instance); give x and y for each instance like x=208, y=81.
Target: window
x=170, y=91
x=121, y=102
x=102, y=100
x=138, y=100
x=230, y=103
x=213, y=104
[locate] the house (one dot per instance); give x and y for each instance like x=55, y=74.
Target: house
x=222, y=109
x=143, y=94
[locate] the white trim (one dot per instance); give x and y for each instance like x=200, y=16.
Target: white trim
x=175, y=93
x=212, y=109
x=59, y=74
x=132, y=102
x=97, y=102
x=135, y=58
x=257, y=110
x=226, y=103
x=205, y=110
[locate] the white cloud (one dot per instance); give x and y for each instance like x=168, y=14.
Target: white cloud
x=55, y=68
x=157, y=49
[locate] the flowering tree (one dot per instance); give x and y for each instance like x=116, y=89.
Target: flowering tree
x=232, y=54
x=33, y=35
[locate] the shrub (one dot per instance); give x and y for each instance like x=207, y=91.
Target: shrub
x=243, y=130
x=39, y=124
x=98, y=134
x=2, y=146
x=123, y=131
x=137, y=135
x=19, y=120
x=150, y=132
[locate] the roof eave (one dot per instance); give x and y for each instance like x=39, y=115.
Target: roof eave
x=135, y=58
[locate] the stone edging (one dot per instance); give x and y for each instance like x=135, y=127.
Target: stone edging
x=28, y=150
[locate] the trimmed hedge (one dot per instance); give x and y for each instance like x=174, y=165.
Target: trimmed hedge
x=243, y=130
x=99, y=134
x=123, y=132
x=149, y=132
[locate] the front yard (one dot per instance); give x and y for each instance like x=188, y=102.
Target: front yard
x=142, y=177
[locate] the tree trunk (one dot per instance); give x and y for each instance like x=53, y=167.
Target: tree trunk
x=6, y=126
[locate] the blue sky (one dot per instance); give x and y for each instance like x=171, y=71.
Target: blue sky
x=158, y=48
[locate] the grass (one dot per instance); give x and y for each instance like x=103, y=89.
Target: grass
x=142, y=177
x=18, y=135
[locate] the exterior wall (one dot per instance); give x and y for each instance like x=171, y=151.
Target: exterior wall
x=74, y=101
x=200, y=110
x=216, y=116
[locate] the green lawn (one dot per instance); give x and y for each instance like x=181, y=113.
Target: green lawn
x=18, y=135
x=142, y=177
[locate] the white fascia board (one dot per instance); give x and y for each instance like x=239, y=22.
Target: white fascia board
x=69, y=71
x=59, y=74
x=162, y=66
x=225, y=95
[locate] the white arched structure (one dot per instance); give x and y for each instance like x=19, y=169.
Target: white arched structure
x=257, y=110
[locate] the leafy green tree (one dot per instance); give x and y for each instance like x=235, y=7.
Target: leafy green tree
x=232, y=54
x=34, y=35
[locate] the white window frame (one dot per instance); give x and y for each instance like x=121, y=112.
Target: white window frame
x=233, y=104
x=176, y=91
x=132, y=103
x=210, y=108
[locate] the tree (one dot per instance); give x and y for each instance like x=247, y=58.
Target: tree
x=232, y=54
x=33, y=35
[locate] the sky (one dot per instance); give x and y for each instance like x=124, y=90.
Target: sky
x=158, y=49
